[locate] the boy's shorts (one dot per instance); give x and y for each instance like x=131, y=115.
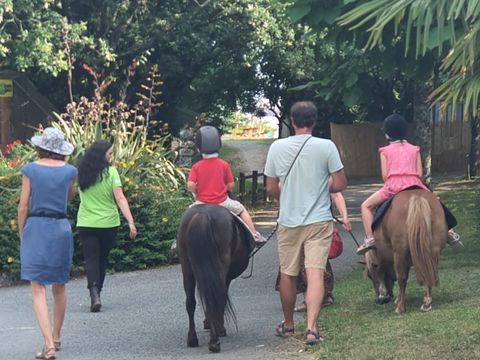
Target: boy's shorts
x=232, y=205
x=313, y=240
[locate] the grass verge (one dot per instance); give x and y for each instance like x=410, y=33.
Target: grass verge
x=356, y=328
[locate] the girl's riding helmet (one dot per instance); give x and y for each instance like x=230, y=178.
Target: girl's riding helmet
x=395, y=127
x=207, y=139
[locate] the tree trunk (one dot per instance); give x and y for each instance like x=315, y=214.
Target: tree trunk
x=422, y=127
x=474, y=156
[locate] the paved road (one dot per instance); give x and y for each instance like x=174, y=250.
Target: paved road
x=144, y=315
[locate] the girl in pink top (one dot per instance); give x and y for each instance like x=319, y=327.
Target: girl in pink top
x=401, y=167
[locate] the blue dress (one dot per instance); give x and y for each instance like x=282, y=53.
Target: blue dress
x=46, y=247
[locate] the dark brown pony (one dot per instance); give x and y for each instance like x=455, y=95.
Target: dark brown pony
x=413, y=231
x=213, y=248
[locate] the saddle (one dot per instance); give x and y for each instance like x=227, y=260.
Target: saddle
x=383, y=207
x=250, y=241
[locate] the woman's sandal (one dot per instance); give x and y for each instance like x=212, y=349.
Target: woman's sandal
x=57, y=345
x=283, y=331
x=46, y=354
x=316, y=337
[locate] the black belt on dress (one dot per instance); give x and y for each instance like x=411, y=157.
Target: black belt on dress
x=48, y=214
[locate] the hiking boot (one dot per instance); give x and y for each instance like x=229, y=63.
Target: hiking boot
x=368, y=244
x=95, y=299
x=453, y=240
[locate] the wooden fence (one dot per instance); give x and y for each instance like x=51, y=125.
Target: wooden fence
x=358, y=146
x=255, y=193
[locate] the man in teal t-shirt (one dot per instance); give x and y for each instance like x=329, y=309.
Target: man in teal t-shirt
x=305, y=221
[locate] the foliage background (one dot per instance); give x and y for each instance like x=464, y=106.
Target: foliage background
x=153, y=185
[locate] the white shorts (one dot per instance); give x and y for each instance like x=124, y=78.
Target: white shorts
x=232, y=205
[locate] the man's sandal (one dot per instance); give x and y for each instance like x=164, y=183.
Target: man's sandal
x=283, y=331
x=312, y=341
x=46, y=354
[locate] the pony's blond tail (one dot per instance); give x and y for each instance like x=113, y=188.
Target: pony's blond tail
x=419, y=235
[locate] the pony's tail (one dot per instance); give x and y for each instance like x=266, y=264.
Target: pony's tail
x=204, y=260
x=419, y=235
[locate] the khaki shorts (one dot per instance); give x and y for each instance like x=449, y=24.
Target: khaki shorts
x=314, y=240
x=233, y=206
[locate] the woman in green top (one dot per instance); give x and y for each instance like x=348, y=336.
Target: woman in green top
x=98, y=218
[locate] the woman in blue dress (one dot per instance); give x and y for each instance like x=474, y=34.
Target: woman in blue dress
x=46, y=245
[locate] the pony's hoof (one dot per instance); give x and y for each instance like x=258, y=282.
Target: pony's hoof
x=215, y=347
x=382, y=300
x=192, y=342
x=399, y=311
x=425, y=308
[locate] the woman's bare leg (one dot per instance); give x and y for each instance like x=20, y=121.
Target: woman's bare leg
x=40, y=307
x=60, y=303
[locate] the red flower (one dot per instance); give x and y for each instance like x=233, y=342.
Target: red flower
x=17, y=142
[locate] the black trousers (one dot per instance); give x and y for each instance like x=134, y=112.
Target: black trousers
x=96, y=243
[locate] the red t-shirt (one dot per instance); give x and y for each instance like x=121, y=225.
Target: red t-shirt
x=211, y=176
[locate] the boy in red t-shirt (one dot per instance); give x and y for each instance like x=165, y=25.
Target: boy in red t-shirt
x=211, y=178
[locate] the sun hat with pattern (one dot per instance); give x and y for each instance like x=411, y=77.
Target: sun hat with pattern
x=52, y=140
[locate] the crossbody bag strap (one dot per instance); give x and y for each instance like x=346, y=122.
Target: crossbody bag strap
x=295, y=159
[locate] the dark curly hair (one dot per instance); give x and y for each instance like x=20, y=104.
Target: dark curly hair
x=93, y=164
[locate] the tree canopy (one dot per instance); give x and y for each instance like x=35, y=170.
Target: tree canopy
x=213, y=57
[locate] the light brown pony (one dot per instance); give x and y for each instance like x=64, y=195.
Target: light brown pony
x=412, y=231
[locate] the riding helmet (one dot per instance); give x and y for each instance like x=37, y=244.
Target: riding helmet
x=395, y=127
x=207, y=139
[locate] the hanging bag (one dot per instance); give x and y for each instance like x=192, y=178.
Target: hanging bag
x=336, y=247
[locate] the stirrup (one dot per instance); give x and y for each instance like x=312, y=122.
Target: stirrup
x=259, y=239
x=368, y=244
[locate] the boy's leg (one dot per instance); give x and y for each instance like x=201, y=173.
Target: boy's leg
x=245, y=216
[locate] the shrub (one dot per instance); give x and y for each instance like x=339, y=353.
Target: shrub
x=154, y=186
x=10, y=181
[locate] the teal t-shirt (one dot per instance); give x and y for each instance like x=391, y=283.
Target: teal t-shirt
x=304, y=195
x=98, y=208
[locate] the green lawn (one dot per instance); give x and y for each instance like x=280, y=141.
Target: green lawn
x=356, y=328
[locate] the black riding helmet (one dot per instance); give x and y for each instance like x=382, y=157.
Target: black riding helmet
x=395, y=127
x=207, y=139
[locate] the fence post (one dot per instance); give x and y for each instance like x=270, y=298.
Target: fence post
x=241, y=187
x=264, y=195
x=254, y=186
x=467, y=157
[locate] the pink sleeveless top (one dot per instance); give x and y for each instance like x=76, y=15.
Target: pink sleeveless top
x=401, y=168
